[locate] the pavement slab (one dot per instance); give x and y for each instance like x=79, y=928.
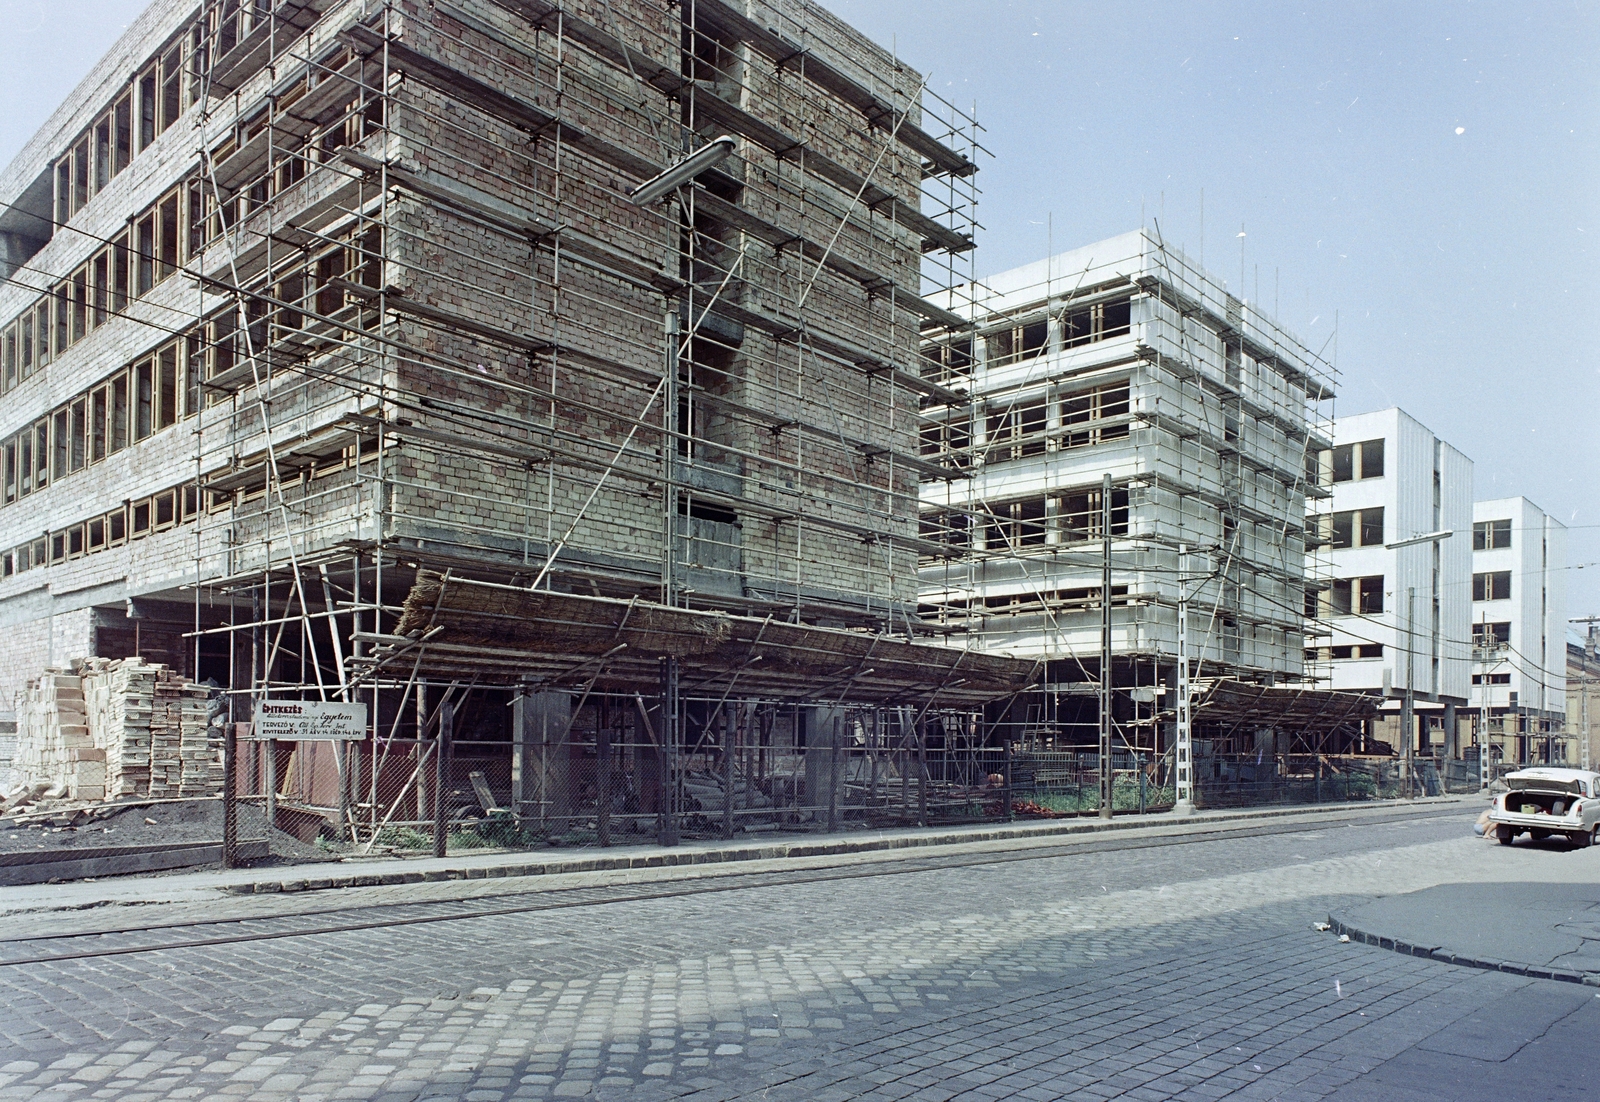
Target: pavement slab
x=1518, y=925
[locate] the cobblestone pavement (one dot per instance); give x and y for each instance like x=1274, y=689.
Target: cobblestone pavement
x=1188, y=971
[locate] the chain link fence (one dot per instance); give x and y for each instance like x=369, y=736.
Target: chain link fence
x=599, y=772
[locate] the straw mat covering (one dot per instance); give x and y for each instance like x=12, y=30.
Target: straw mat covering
x=500, y=634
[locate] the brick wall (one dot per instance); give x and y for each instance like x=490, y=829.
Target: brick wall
x=801, y=434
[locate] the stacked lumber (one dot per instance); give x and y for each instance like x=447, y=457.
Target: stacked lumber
x=166, y=737
x=118, y=727
x=199, y=765
x=120, y=694
x=54, y=744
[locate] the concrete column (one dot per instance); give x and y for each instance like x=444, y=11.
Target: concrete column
x=14, y=253
x=1452, y=733
x=820, y=772
x=541, y=759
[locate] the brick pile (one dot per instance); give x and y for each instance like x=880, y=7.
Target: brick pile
x=118, y=727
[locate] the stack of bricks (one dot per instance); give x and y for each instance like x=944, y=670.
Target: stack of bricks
x=54, y=744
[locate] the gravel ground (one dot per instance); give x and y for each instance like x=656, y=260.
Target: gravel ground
x=155, y=824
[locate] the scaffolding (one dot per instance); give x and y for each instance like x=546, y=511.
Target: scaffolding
x=436, y=345
x=421, y=340
x=1129, y=416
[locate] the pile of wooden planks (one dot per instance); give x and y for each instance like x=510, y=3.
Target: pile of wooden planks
x=118, y=727
x=54, y=743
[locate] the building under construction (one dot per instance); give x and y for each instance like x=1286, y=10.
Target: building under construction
x=1133, y=428
x=342, y=363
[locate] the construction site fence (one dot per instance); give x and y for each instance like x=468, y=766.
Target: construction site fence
x=385, y=796
x=1249, y=780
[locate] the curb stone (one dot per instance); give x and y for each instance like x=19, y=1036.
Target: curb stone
x=780, y=850
x=1546, y=972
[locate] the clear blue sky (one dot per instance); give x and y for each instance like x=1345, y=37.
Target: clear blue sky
x=1460, y=265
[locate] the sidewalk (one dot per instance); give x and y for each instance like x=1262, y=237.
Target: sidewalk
x=385, y=871
x=1545, y=930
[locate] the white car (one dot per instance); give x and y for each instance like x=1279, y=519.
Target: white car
x=1545, y=800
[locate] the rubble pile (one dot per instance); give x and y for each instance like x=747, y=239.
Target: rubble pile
x=118, y=727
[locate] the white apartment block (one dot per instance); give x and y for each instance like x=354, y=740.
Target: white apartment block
x=1519, y=626
x=1121, y=358
x=1397, y=617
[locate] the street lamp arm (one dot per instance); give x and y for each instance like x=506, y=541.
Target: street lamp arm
x=1430, y=537
x=707, y=156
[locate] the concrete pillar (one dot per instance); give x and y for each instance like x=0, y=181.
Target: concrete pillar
x=1452, y=733
x=14, y=253
x=1266, y=745
x=820, y=772
x=541, y=759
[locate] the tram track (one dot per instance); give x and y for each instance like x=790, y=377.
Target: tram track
x=211, y=933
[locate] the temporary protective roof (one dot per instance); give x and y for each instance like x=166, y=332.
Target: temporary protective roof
x=502, y=634
x=1311, y=713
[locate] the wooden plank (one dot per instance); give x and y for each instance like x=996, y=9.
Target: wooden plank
x=142, y=860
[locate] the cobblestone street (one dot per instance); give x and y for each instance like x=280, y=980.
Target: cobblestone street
x=1180, y=971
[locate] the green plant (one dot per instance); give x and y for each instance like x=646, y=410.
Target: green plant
x=1064, y=801
x=1359, y=785
x=404, y=838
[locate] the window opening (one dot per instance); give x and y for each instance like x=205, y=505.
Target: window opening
x=144, y=400
x=1492, y=586
x=1491, y=535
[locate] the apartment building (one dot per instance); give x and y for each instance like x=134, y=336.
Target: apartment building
x=1583, y=698
x=1519, y=628
x=1121, y=359
x=1397, y=616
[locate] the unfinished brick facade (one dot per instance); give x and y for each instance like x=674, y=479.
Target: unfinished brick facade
x=311, y=294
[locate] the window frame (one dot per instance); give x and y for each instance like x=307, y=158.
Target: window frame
x=1487, y=534
x=1487, y=585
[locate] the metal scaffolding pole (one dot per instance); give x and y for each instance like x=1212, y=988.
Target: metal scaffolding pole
x=1183, y=758
x=1105, y=647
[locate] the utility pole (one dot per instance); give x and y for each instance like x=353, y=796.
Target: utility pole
x=1183, y=759
x=1583, y=751
x=1484, y=772
x=1408, y=703
x=1408, y=707
x=1105, y=647
x=1587, y=681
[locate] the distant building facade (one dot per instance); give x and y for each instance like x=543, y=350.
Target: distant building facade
x=1396, y=617
x=1583, y=697
x=1519, y=628
x=1119, y=390
x=1121, y=358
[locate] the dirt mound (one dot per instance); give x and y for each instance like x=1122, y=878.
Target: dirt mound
x=78, y=826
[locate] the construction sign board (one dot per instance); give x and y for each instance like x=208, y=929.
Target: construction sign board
x=308, y=721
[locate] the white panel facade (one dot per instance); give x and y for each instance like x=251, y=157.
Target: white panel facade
x=1400, y=616
x=1518, y=573
x=1122, y=358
